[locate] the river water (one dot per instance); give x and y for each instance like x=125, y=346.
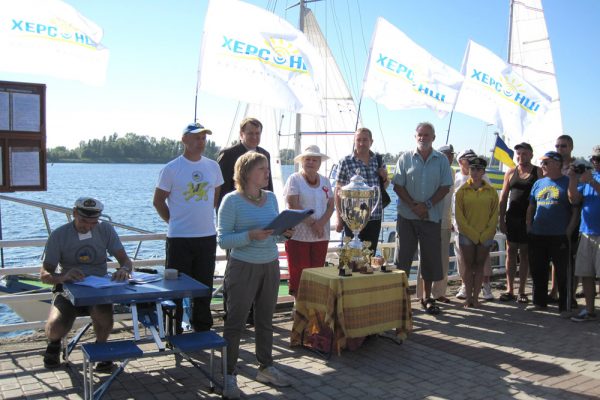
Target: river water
x=126, y=191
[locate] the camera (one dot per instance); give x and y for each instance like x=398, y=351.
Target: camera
x=581, y=167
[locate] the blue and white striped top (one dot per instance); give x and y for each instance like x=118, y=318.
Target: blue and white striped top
x=237, y=217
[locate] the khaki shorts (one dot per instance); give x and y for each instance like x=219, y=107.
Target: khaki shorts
x=587, y=262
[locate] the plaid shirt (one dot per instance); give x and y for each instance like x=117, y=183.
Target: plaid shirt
x=347, y=168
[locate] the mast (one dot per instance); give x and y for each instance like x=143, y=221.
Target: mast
x=297, y=134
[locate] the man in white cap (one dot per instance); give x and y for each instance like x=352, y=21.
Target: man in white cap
x=185, y=197
x=74, y=251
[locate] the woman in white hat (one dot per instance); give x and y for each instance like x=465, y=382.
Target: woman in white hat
x=305, y=190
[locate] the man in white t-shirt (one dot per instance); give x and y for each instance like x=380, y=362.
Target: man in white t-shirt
x=185, y=197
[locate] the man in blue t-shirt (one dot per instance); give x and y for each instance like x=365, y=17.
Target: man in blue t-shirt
x=548, y=225
x=584, y=189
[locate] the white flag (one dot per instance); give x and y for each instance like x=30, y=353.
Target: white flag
x=252, y=55
x=402, y=75
x=494, y=92
x=50, y=37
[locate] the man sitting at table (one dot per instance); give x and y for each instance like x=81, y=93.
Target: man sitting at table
x=80, y=247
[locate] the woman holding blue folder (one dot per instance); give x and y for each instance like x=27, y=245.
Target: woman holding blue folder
x=252, y=273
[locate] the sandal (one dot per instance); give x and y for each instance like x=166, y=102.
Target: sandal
x=443, y=299
x=507, y=297
x=430, y=307
x=523, y=298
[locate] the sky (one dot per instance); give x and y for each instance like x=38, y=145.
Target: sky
x=154, y=51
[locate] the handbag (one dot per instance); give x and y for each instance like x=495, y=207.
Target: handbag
x=385, y=197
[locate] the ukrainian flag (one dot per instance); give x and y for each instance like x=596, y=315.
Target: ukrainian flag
x=503, y=154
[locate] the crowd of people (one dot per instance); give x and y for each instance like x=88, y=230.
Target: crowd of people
x=538, y=210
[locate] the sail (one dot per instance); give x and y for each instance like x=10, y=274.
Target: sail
x=530, y=55
x=334, y=131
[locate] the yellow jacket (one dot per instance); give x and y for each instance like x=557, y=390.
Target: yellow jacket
x=477, y=211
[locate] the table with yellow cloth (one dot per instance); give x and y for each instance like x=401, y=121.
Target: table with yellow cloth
x=350, y=307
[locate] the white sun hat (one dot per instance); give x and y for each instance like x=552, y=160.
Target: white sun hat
x=311, y=151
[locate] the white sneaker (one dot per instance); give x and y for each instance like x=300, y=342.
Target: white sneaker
x=462, y=293
x=272, y=375
x=232, y=391
x=584, y=316
x=486, y=290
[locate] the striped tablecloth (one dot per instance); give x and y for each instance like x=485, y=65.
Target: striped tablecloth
x=350, y=307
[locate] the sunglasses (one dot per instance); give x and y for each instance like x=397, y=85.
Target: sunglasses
x=558, y=146
x=595, y=159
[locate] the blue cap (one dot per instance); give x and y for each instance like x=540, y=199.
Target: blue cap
x=552, y=155
x=196, y=128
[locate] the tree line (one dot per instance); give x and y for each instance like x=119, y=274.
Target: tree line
x=133, y=148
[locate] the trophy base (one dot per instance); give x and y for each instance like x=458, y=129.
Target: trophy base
x=343, y=273
x=388, y=268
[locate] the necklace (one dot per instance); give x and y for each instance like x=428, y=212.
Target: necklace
x=255, y=199
x=311, y=183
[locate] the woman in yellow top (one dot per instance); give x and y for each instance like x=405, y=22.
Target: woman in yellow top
x=476, y=209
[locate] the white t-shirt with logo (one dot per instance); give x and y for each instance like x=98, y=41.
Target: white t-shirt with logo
x=315, y=198
x=191, y=186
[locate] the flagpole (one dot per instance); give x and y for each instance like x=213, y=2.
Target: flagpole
x=449, y=125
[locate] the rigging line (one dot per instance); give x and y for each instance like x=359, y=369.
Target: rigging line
x=346, y=62
x=352, y=42
x=362, y=28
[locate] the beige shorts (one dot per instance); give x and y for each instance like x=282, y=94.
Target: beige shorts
x=587, y=262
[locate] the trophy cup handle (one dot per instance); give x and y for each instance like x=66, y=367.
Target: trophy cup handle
x=378, y=194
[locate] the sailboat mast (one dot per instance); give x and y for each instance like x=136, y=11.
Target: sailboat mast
x=510, y=28
x=297, y=138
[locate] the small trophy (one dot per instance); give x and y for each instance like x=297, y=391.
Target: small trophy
x=358, y=201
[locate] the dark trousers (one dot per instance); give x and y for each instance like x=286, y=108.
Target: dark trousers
x=196, y=258
x=370, y=232
x=542, y=250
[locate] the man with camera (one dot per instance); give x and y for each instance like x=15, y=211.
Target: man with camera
x=584, y=190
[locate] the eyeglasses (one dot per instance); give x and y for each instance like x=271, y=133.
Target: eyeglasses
x=558, y=146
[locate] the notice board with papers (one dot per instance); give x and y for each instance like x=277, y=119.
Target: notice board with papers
x=22, y=136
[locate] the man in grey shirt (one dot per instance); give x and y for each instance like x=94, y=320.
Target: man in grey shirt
x=423, y=178
x=74, y=251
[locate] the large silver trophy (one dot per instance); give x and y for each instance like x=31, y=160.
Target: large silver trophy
x=358, y=201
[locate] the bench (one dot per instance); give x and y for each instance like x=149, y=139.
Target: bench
x=110, y=351
x=185, y=343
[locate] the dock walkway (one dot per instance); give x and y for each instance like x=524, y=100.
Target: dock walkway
x=499, y=351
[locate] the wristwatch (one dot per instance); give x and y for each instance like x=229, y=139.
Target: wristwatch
x=428, y=204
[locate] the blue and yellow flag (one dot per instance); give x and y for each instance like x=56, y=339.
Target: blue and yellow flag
x=503, y=154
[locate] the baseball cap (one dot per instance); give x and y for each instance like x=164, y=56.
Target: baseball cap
x=477, y=162
x=89, y=207
x=196, y=128
x=524, y=145
x=553, y=155
x=447, y=149
x=468, y=154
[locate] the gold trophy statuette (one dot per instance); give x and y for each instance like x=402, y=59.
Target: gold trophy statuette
x=358, y=201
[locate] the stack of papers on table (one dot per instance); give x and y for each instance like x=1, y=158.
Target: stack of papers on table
x=100, y=282
x=144, y=277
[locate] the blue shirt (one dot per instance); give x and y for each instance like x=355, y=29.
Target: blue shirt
x=421, y=179
x=347, y=168
x=237, y=217
x=590, y=211
x=552, y=207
